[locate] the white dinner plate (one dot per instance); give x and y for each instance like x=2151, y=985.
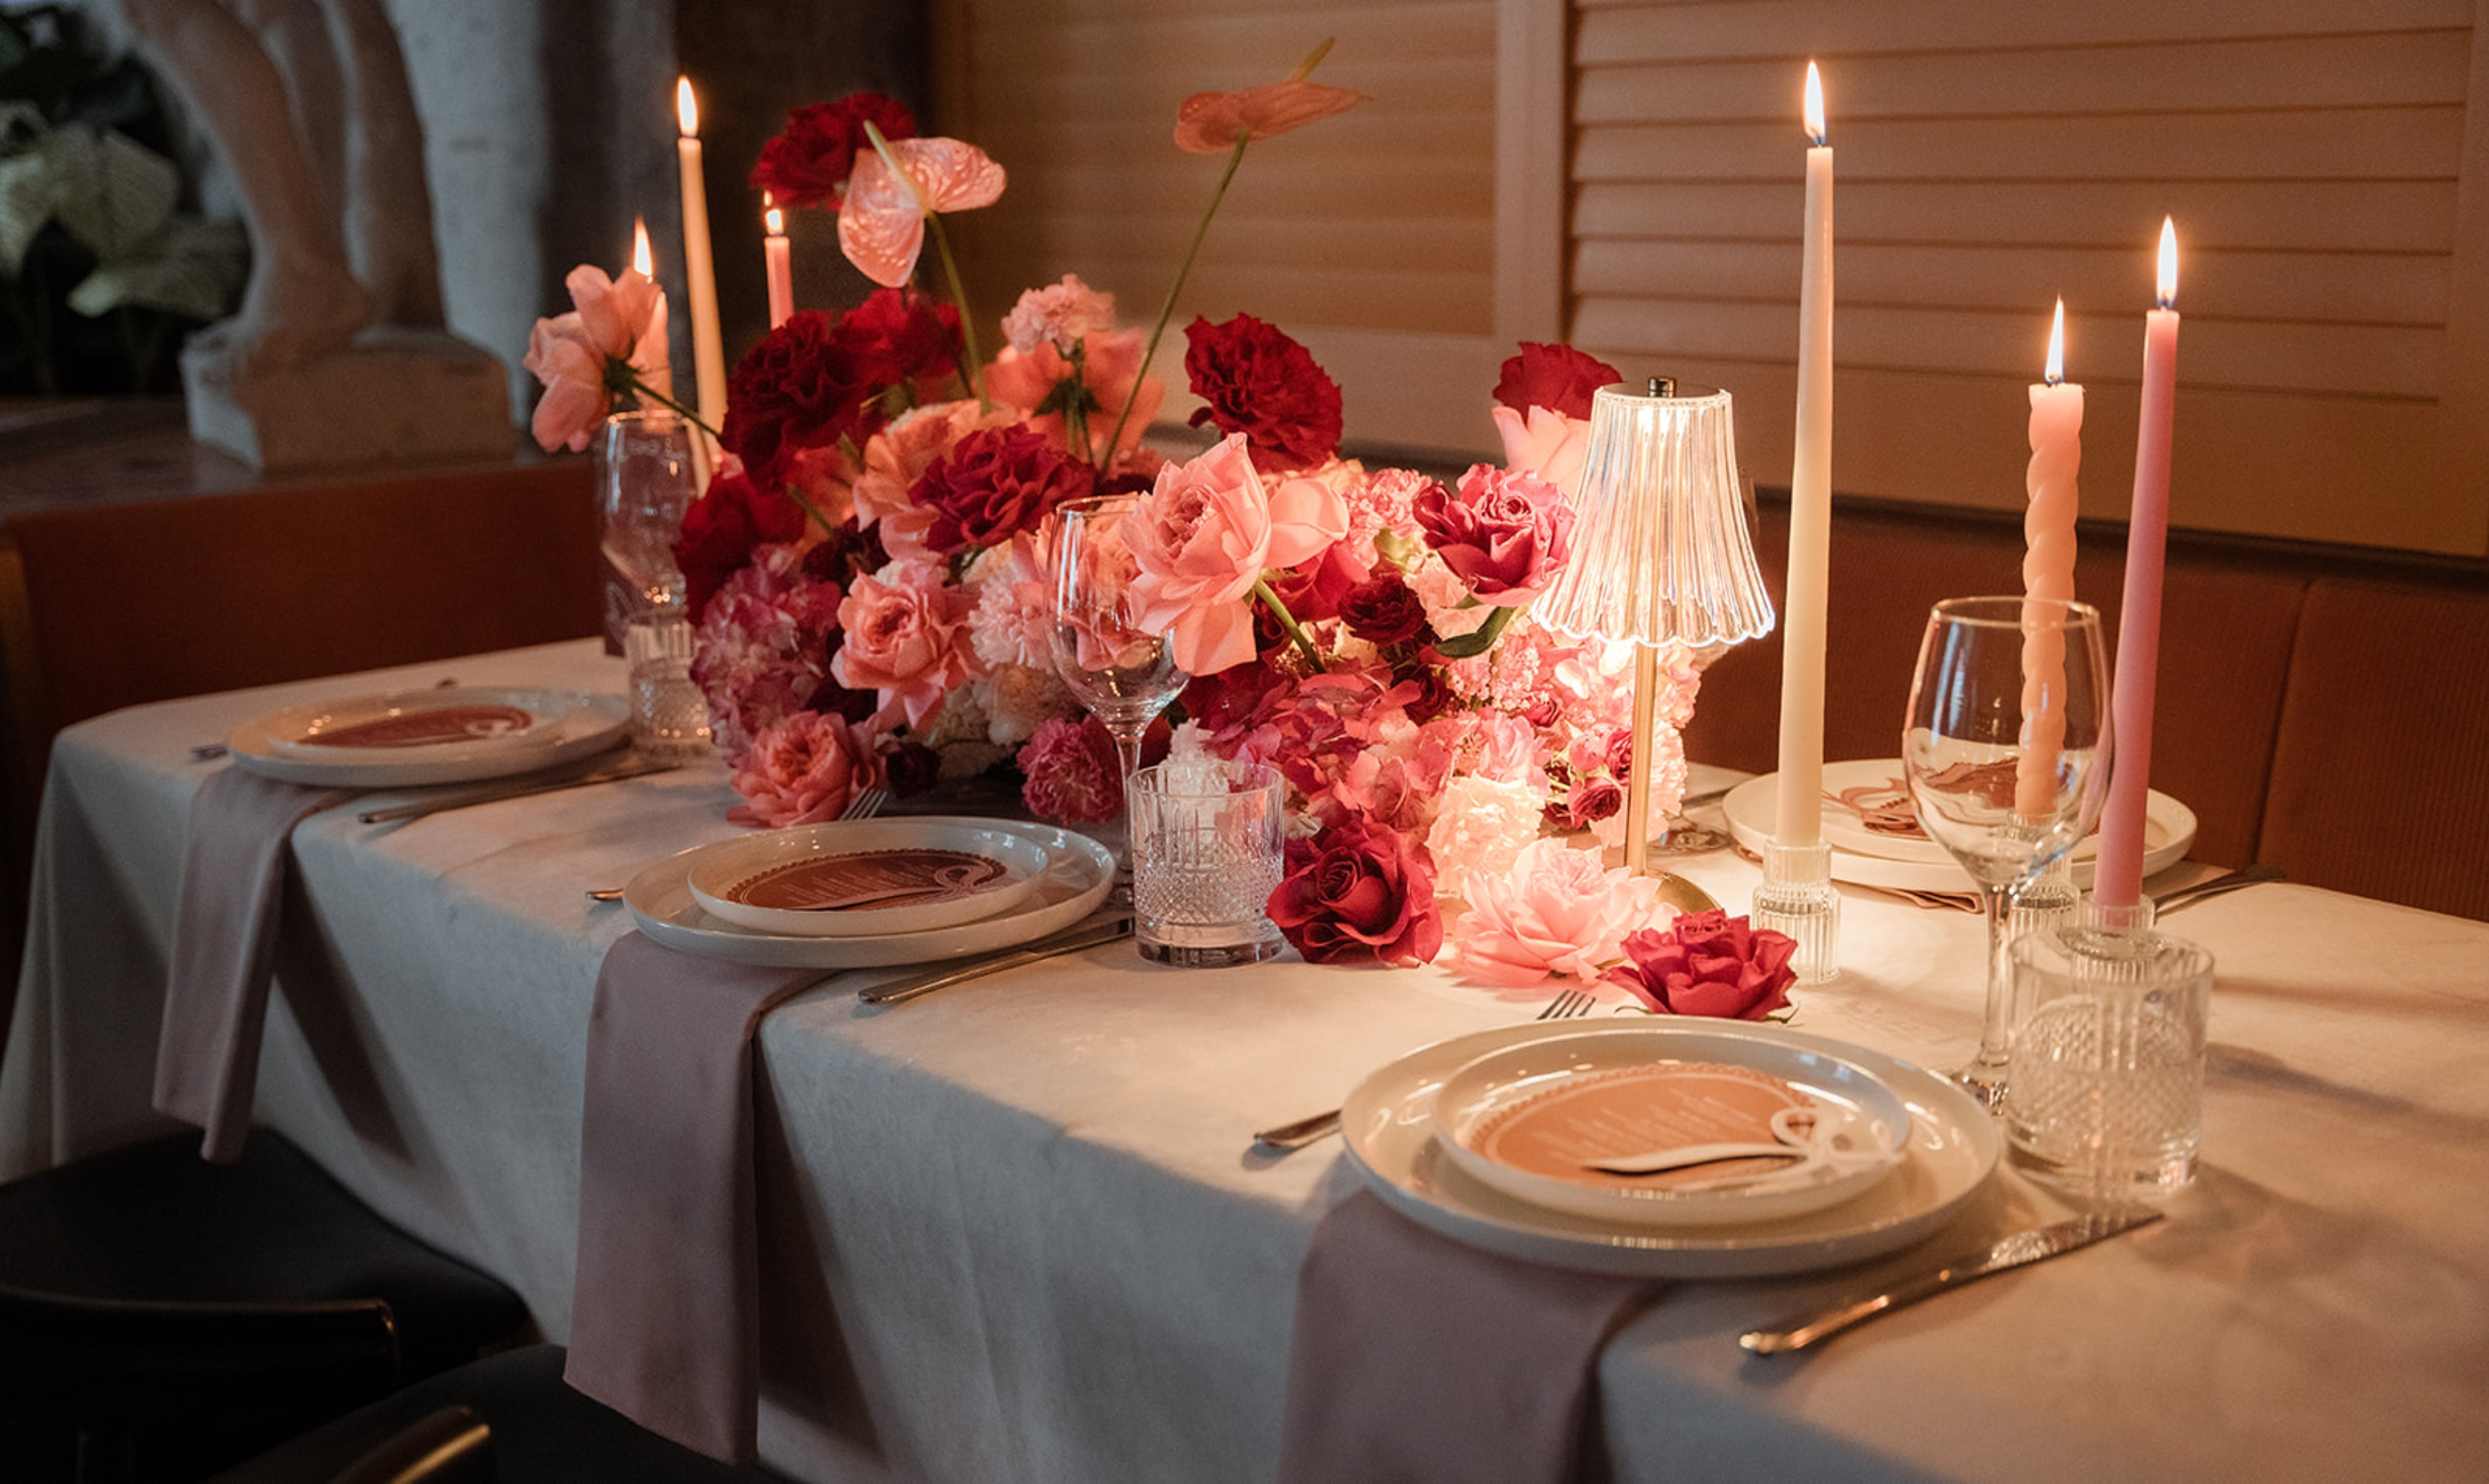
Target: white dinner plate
x=432, y=724
x=1853, y=1106
x=1001, y=861
x=571, y=725
x=1922, y=864
x=1950, y=1149
x=1078, y=875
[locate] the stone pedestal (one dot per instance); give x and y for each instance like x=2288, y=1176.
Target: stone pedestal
x=393, y=396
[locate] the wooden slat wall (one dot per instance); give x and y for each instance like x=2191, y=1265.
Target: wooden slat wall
x=1368, y=236
x=1992, y=158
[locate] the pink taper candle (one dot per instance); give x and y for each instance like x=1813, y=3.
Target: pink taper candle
x=699, y=274
x=782, y=271
x=1798, y=820
x=2119, y=881
x=2047, y=573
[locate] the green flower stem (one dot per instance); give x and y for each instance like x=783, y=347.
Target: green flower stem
x=1184, y=271
x=1288, y=622
x=968, y=316
x=1477, y=640
x=644, y=389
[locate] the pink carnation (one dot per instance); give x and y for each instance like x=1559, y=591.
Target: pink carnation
x=1556, y=911
x=906, y=637
x=1060, y=314
x=804, y=771
x=1073, y=774
x=763, y=646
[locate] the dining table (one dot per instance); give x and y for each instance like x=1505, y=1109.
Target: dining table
x=1019, y=1228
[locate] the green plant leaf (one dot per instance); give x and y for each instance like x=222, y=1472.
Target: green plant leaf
x=192, y=268
x=112, y=192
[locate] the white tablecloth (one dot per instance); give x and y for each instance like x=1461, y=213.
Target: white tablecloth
x=1014, y=1231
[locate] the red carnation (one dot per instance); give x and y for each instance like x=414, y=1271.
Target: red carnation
x=995, y=484
x=1074, y=773
x=798, y=389
x=1360, y=892
x=1265, y=386
x=1383, y=610
x=902, y=339
x=721, y=528
x=808, y=165
x=1556, y=377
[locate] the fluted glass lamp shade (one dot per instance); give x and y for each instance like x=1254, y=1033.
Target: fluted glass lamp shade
x=1661, y=554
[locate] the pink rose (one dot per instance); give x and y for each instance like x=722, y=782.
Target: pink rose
x=1506, y=534
x=906, y=637
x=1557, y=911
x=805, y=770
x=1360, y=892
x=1545, y=444
x=616, y=331
x=1710, y=963
x=1205, y=535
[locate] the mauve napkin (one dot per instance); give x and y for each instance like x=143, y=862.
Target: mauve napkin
x=664, y=1311
x=1419, y=1357
x=234, y=865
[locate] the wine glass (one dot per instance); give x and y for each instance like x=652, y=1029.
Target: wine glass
x=646, y=479
x=2005, y=749
x=1123, y=673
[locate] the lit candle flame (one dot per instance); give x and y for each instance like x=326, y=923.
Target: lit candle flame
x=2168, y=299
x=641, y=263
x=775, y=220
x=686, y=108
x=2056, y=372
x=1814, y=105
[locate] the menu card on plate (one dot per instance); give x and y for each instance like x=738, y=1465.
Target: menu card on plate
x=1628, y=1111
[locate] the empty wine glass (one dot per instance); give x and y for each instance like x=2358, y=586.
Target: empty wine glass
x=2005, y=749
x=646, y=479
x=1123, y=673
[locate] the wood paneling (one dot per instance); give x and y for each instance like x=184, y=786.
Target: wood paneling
x=1991, y=158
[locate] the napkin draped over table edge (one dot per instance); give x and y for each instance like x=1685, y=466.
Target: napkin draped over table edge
x=1420, y=1357
x=226, y=928
x=664, y=1323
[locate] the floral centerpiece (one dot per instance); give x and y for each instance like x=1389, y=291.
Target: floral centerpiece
x=869, y=570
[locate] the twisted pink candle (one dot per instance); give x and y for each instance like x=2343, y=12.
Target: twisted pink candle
x=2047, y=573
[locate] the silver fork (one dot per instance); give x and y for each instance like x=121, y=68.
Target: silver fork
x=864, y=806
x=1571, y=1005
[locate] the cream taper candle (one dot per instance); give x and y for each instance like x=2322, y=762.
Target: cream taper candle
x=1799, y=799
x=699, y=274
x=782, y=270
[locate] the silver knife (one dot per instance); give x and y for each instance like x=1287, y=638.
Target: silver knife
x=517, y=788
x=1069, y=940
x=2031, y=1246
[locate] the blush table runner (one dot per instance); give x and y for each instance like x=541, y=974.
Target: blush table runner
x=235, y=864
x=665, y=1324
x=1418, y=1358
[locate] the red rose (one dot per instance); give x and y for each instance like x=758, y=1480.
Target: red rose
x=1708, y=964
x=1621, y=754
x=798, y=389
x=902, y=339
x=1358, y=892
x=1556, y=377
x=1590, y=800
x=721, y=528
x=808, y=165
x=1504, y=534
x=1383, y=610
x=996, y=484
x=1265, y=386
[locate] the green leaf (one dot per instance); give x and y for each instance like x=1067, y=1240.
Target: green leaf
x=26, y=189
x=192, y=269
x=113, y=194
x=1477, y=640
